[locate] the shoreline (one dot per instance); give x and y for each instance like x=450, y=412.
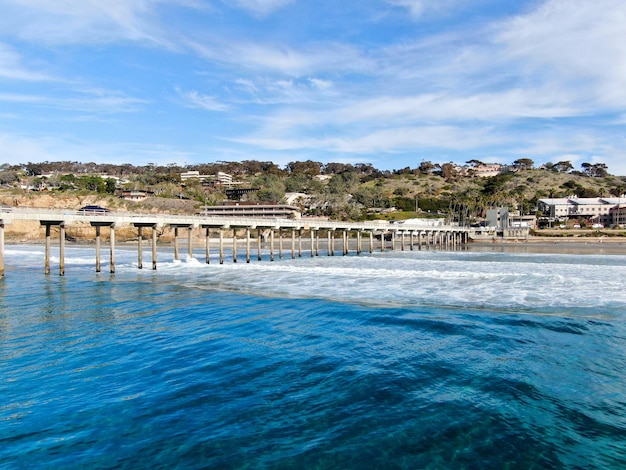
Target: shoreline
x=564, y=245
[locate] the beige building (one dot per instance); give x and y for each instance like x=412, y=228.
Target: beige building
x=599, y=210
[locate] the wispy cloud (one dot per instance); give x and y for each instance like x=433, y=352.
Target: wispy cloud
x=260, y=8
x=575, y=43
x=64, y=148
x=12, y=67
x=419, y=8
x=94, y=101
x=87, y=22
x=198, y=100
x=361, y=79
x=268, y=57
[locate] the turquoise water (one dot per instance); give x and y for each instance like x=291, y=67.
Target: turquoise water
x=396, y=360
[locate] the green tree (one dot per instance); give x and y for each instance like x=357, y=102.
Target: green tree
x=272, y=188
x=523, y=164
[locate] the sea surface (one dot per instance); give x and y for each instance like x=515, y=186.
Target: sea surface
x=475, y=359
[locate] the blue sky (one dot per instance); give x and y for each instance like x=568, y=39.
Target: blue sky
x=386, y=82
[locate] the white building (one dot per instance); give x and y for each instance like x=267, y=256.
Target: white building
x=599, y=210
x=221, y=177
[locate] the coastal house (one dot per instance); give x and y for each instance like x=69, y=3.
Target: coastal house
x=481, y=171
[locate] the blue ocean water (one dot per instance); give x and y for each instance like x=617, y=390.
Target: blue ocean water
x=395, y=360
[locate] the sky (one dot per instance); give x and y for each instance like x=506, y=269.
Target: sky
x=386, y=82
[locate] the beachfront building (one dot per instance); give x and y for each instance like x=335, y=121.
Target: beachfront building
x=598, y=210
x=618, y=215
x=253, y=209
x=498, y=217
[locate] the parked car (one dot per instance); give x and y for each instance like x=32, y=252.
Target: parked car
x=93, y=210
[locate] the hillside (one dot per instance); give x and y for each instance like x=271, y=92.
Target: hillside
x=338, y=191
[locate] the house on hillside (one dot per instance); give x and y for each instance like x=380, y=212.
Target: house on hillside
x=135, y=195
x=220, y=178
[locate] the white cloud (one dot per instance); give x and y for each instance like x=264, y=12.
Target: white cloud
x=392, y=140
x=13, y=68
x=22, y=149
x=86, y=21
x=86, y=101
x=267, y=57
x=419, y=8
x=575, y=43
x=198, y=100
x=260, y=8
x=415, y=7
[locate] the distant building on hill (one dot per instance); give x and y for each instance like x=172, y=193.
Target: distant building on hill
x=220, y=178
x=482, y=171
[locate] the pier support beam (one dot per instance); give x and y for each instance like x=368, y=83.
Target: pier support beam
x=139, y=247
x=154, y=247
x=190, y=241
x=271, y=244
x=61, y=249
x=317, y=243
x=112, y=249
x=140, y=226
x=247, y=244
x=60, y=224
x=221, y=246
x=189, y=228
x=176, y=257
x=1, y=249
x=300, y=243
x=234, y=245
x=258, y=244
x=97, y=248
x=207, y=251
x=329, y=247
x=98, y=226
x=312, y=243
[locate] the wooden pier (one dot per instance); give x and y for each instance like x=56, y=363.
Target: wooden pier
x=303, y=234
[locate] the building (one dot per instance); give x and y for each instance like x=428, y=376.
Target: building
x=135, y=195
x=618, y=215
x=482, y=171
x=253, y=209
x=220, y=178
x=498, y=217
x=599, y=210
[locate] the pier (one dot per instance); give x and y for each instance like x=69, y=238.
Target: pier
x=302, y=235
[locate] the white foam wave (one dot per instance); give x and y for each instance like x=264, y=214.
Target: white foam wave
x=456, y=279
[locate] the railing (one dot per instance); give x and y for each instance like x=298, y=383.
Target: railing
x=68, y=215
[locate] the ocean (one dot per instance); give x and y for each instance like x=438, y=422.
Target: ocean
x=484, y=358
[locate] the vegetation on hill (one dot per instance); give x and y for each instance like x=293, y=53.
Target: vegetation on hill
x=335, y=190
